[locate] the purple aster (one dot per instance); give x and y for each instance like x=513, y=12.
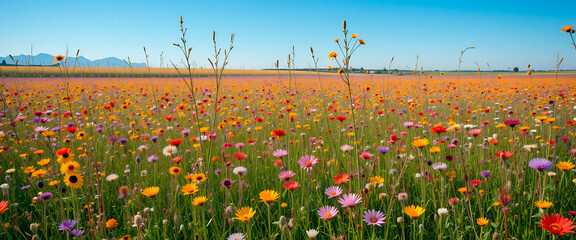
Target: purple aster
x=485, y=174
x=67, y=225
x=77, y=232
x=373, y=217
x=383, y=150
x=25, y=187
x=123, y=141
x=45, y=196
x=113, y=139
x=540, y=164
x=154, y=139
x=218, y=171
x=350, y=200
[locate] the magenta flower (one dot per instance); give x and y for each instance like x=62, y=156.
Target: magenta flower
x=307, y=162
x=327, y=212
x=373, y=217
x=366, y=155
x=333, y=191
x=350, y=200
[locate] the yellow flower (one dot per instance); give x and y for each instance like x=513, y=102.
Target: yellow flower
x=190, y=189
x=284, y=205
x=482, y=221
x=451, y=174
x=70, y=167
x=150, y=192
x=39, y=173
x=501, y=126
x=543, y=204
x=44, y=162
x=565, y=165
x=204, y=129
x=496, y=204
x=175, y=171
x=434, y=150
x=244, y=214
x=269, y=196
x=420, y=143
x=376, y=180
x=74, y=180
x=199, y=201
x=414, y=211
x=463, y=190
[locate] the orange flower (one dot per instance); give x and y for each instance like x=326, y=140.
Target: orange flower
x=341, y=178
x=58, y=58
x=567, y=28
x=332, y=55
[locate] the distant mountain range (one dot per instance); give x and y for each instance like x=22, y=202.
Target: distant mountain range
x=44, y=59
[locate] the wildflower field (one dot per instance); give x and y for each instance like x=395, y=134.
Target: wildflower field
x=282, y=156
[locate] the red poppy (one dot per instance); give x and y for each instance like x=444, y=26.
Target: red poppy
x=72, y=129
x=341, y=118
x=556, y=224
x=168, y=118
x=175, y=142
x=570, y=123
x=503, y=155
x=475, y=183
x=341, y=178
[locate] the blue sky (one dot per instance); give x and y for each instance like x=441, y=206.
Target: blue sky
x=505, y=33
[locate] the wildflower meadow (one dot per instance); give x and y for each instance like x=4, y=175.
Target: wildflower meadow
x=329, y=153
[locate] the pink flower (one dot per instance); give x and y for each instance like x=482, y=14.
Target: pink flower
x=307, y=162
x=366, y=155
x=350, y=200
x=475, y=132
x=327, y=212
x=333, y=191
x=285, y=175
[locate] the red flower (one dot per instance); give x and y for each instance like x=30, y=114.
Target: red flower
x=63, y=151
x=278, y=133
x=341, y=118
x=439, y=129
x=503, y=155
x=475, y=182
x=72, y=129
x=341, y=178
x=168, y=118
x=177, y=159
x=556, y=224
x=570, y=123
x=291, y=185
x=239, y=156
x=176, y=142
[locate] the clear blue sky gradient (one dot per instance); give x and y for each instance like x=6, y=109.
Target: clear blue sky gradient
x=505, y=33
